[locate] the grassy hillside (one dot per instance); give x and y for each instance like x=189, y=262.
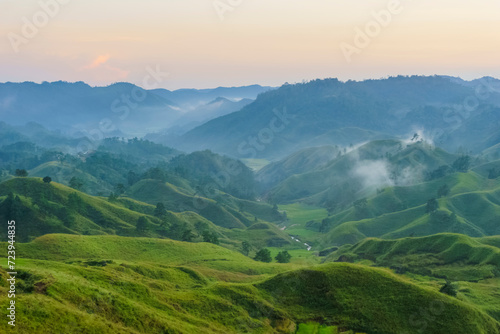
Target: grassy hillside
x=489, y=169
x=155, y=191
x=471, y=207
x=63, y=172
x=54, y=208
x=224, y=210
x=372, y=300
x=361, y=172
x=41, y=208
x=452, y=256
x=303, y=161
x=110, y=284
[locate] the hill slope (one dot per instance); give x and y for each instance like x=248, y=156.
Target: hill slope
x=454, y=256
x=42, y=208
x=401, y=211
x=111, y=284
x=360, y=172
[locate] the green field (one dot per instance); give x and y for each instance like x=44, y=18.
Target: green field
x=298, y=215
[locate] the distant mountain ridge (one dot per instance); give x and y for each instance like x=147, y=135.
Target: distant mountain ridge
x=449, y=110
x=117, y=108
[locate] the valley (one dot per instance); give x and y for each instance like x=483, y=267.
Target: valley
x=350, y=216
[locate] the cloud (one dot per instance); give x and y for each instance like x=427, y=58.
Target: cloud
x=102, y=59
x=102, y=71
x=373, y=173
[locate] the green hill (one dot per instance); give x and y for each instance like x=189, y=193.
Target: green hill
x=452, y=256
x=492, y=152
x=489, y=169
x=303, y=161
x=224, y=210
x=41, y=208
x=155, y=191
x=63, y=172
x=361, y=172
x=374, y=301
x=110, y=284
x=210, y=170
x=398, y=212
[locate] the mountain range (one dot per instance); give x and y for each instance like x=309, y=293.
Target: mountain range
x=446, y=110
x=368, y=207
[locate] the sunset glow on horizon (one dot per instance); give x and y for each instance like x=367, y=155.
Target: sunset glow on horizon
x=209, y=43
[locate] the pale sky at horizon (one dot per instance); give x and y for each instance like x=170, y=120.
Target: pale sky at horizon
x=265, y=42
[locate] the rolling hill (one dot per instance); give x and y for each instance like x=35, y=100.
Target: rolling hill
x=471, y=207
x=303, y=161
x=111, y=284
x=360, y=172
x=451, y=256
x=42, y=208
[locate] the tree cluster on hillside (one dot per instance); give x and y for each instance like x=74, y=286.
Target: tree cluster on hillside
x=264, y=255
x=432, y=205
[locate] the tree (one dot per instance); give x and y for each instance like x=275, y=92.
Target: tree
x=119, y=189
x=132, y=178
x=75, y=202
x=47, y=179
x=155, y=174
x=112, y=197
x=210, y=237
x=443, y=191
x=361, y=208
x=284, y=217
x=438, y=173
x=245, y=247
x=13, y=207
x=449, y=289
x=462, y=164
x=75, y=183
x=187, y=235
x=325, y=226
x=493, y=173
x=142, y=224
x=21, y=173
x=160, y=210
x=264, y=255
x=283, y=257
x=432, y=205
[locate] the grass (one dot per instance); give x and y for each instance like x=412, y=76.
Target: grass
x=298, y=215
x=155, y=191
x=59, y=247
x=110, y=284
x=401, y=211
x=451, y=256
x=98, y=216
x=371, y=300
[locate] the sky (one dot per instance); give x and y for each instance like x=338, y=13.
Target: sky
x=211, y=43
